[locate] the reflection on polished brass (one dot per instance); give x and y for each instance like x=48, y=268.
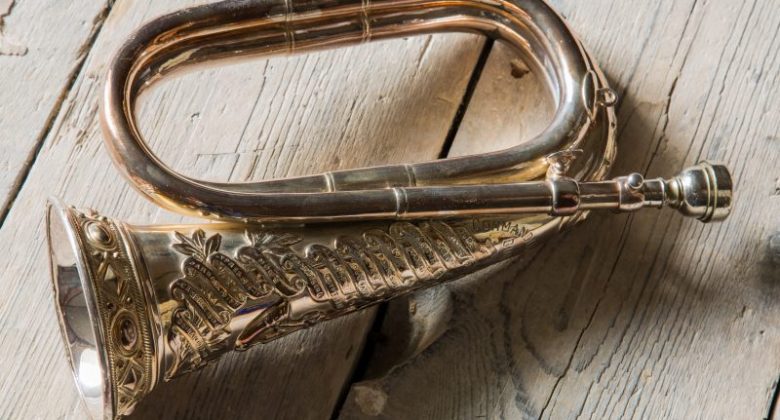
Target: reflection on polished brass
x=141, y=304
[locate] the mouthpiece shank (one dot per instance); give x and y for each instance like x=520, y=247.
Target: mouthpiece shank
x=703, y=191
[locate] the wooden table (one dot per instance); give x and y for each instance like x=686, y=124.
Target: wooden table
x=647, y=316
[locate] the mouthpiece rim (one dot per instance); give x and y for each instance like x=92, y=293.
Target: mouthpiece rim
x=721, y=191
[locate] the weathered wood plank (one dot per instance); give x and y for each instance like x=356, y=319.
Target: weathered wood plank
x=386, y=102
x=42, y=46
x=650, y=315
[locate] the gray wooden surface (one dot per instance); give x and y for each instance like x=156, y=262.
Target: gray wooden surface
x=646, y=316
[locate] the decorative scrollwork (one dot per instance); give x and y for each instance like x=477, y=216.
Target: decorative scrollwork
x=286, y=286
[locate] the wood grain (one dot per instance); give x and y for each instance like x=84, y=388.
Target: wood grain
x=42, y=48
x=386, y=102
x=643, y=316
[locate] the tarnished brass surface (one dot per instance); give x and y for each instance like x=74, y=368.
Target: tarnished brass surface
x=141, y=304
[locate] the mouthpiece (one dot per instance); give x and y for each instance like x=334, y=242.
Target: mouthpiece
x=703, y=191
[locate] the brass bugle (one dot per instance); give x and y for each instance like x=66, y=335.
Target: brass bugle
x=140, y=304
x=143, y=304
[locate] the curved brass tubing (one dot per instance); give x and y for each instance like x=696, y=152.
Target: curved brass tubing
x=582, y=119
